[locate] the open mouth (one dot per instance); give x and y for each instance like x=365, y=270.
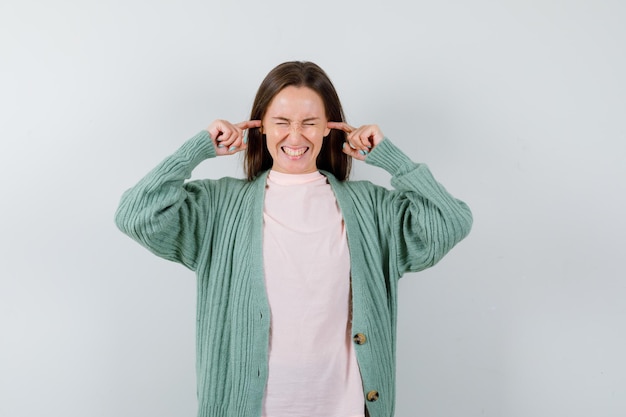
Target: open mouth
x=294, y=153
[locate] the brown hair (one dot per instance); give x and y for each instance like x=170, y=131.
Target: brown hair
x=299, y=74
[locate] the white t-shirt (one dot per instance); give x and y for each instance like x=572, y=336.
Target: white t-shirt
x=312, y=364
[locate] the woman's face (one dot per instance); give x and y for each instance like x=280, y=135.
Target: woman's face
x=295, y=125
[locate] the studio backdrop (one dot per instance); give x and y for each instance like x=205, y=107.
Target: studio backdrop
x=518, y=108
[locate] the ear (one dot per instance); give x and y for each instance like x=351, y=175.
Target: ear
x=327, y=131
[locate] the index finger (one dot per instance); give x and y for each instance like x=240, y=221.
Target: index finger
x=248, y=124
x=340, y=126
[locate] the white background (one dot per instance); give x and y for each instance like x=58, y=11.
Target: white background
x=518, y=107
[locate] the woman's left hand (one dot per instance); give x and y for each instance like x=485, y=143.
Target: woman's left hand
x=360, y=141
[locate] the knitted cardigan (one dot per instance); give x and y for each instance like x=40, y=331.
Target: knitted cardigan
x=214, y=227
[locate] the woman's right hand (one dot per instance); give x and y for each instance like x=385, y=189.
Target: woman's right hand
x=230, y=138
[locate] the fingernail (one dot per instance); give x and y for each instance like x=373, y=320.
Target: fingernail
x=362, y=152
x=232, y=148
x=343, y=146
x=245, y=139
x=220, y=146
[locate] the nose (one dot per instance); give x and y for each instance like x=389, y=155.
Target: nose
x=295, y=127
x=295, y=130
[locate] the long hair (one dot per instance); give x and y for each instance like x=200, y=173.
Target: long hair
x=299, y=74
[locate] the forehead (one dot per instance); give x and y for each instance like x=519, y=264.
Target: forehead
x=296, y=102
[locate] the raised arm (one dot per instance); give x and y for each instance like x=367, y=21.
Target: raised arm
x=420, y=219
x=426, y=220
x=168, y=215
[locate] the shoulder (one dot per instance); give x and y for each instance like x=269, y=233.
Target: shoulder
x=358, y=193
x=356, y=187
x=228, y=185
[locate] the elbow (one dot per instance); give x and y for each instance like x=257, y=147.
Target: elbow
x=128, y=218
x=465, y=221
x=122, y=217
x=451, y=232
x=123, y=221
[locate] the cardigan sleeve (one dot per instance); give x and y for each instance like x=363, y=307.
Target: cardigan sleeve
x=425, y=222
x=165, y=214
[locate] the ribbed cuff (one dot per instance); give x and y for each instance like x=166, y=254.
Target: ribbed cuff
x=387, y=156
x=198, y=148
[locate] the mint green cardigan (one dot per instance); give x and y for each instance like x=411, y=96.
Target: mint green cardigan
x=214, y=227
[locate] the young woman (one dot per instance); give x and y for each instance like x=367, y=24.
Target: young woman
x=297, y=267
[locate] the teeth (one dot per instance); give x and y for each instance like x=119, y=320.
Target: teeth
x=294, y=152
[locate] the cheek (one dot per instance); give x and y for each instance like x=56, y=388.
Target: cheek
x=278, y=131
x=315, y=132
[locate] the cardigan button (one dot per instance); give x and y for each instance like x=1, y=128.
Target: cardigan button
x=372, y=396
x=359, y=339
